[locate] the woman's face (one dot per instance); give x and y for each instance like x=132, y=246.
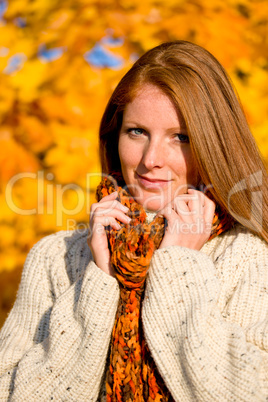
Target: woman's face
x=156, y=159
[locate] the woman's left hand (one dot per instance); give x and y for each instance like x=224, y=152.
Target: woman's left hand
x=189, y=220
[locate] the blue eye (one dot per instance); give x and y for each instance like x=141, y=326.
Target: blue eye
x=183, y=138
x=136, y=131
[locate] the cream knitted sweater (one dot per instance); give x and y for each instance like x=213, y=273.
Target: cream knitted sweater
x=205, y=318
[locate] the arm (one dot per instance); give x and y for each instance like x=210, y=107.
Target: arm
x=55, y=340
x=209, y=336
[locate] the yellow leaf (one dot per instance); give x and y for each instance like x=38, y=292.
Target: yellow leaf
x=28, y=79
x=34, y=134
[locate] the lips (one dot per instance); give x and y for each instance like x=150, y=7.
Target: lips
x=150, y=183
x=151, y=180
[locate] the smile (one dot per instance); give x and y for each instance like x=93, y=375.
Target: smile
x=151, y=184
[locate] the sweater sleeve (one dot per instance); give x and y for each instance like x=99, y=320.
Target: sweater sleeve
x=208, y=336
x=55, y=340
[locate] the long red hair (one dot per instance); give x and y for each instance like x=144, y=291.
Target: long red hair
x=227, y=156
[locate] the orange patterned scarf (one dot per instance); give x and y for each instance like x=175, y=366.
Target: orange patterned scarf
x=132, y=374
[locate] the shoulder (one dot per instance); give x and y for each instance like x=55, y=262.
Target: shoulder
x=237, y=244
x=60, y=242
x=241, y=260
x=64, y=251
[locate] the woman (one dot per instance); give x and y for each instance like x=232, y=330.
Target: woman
x=173, y=126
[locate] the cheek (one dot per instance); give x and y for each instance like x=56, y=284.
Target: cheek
x=128, y=154
x=186, y=168
x=124, y=155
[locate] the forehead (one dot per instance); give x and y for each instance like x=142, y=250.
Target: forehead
x=151, y=103
x=148, y=92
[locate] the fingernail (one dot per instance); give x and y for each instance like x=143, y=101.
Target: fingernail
x=124, y=208
x=128, y=219
x=118, y=226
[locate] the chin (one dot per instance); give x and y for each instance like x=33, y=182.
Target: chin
x=153, y=203
x=152, y=208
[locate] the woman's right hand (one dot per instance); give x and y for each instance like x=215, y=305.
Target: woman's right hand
x=104, y=213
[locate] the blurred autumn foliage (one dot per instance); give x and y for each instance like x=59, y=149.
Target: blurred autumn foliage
x=59, y=62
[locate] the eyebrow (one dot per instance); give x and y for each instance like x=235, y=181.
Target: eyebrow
x=137, y=124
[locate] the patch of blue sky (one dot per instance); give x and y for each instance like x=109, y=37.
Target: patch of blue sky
x=112, y=42
x=47, y=55
x=3, y=7
x=98, y=56
x=20, y=22
x=15, y=63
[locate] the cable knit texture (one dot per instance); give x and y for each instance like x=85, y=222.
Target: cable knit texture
x=205, y=318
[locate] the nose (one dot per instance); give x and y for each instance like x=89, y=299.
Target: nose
x=153, y=154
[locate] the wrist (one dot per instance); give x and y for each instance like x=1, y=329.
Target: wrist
x=105, y=266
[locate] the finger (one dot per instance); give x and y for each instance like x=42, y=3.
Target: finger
x=192, y=191
x=111, y=196
x=103, y=221
x=196, y=203
x=113, y=213
x=181, y=205
x=109, y=205
x=168, y=212
x=209, y=209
